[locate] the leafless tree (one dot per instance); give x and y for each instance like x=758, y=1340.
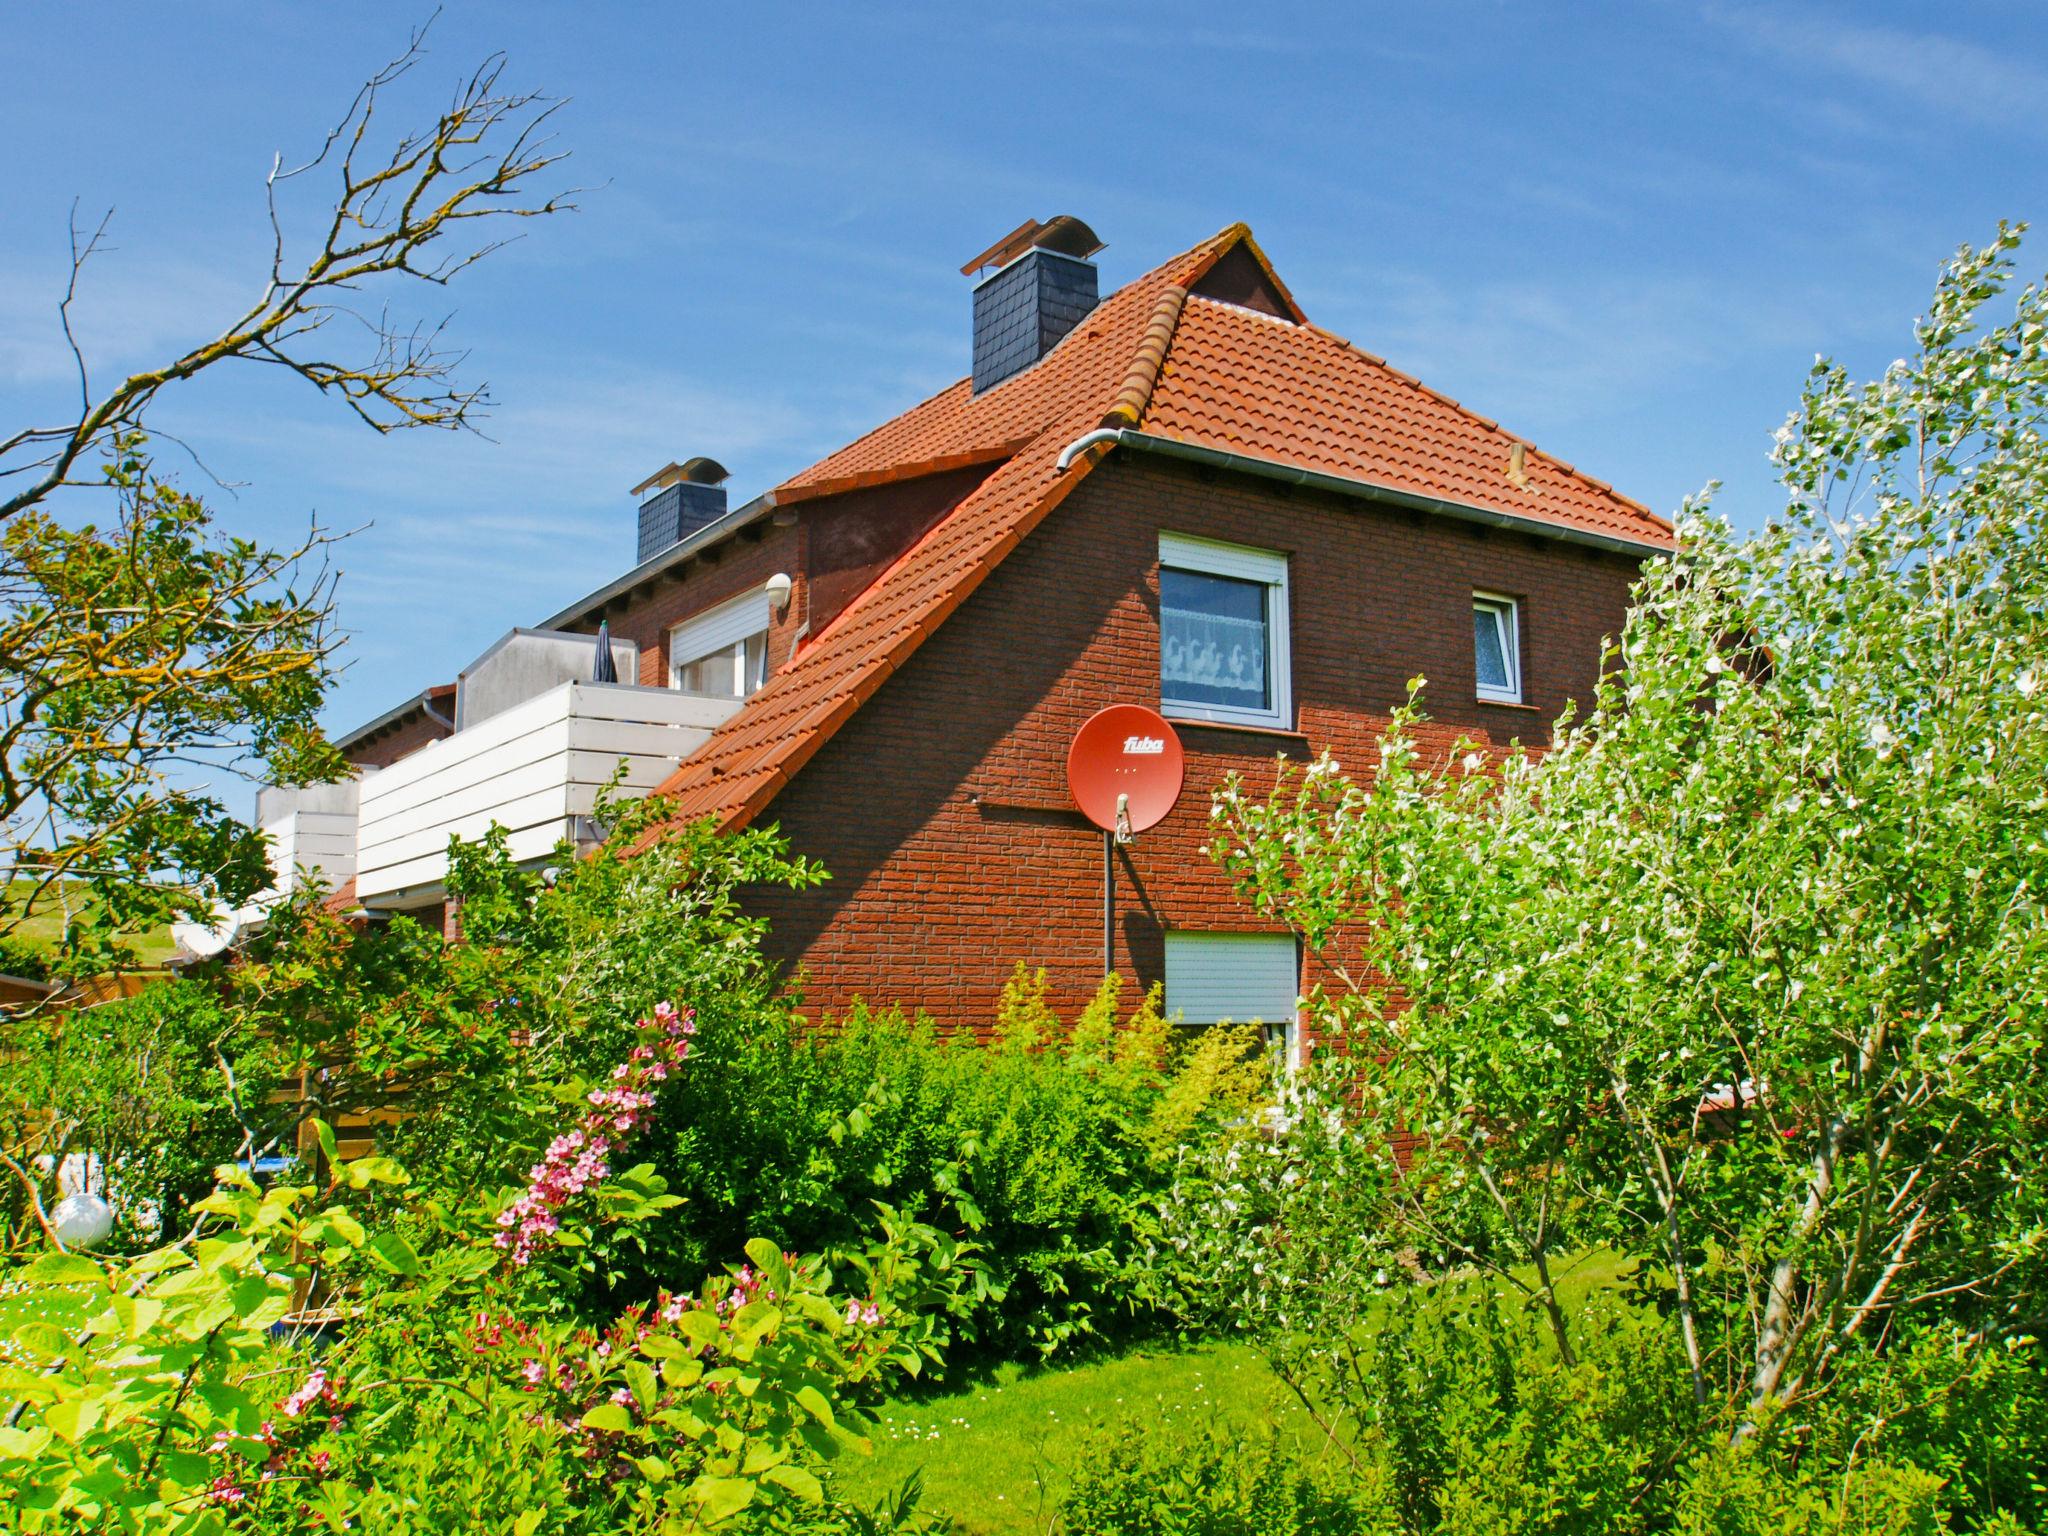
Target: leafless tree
x=430, y=205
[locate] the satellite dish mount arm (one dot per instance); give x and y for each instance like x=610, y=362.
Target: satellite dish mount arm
x=1110, y=841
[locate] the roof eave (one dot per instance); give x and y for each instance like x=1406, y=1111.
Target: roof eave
x=674, y=555
x=1368, y=490
x=395, y=715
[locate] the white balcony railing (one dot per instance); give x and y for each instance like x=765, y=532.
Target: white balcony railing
x=534, y=769
x=311, y=830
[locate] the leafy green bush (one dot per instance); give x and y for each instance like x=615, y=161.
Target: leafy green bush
x=445, y=1401
x=1743, y=978
x=1446, y=1413
x=159, y=1088
x=1045, y=1145
x=1135, y=1480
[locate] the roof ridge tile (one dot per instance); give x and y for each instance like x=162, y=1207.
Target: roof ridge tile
x=1136, y=391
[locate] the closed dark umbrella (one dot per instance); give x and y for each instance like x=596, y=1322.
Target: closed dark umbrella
x=604, y=671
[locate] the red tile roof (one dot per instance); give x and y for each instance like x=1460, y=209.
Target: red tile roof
x=1245, y=383
x=1178, y=365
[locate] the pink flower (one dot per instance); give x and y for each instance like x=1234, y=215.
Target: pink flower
x=321, y=1461
x=579, y=1158
x=307, y=1393
x=225, y=1490
x=863, y=1314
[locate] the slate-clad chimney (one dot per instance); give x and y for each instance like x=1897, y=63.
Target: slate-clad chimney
x=676, y=501
x=1042, y=286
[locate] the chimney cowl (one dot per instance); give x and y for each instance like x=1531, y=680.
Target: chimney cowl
x=1044, y=283
x=698, y=471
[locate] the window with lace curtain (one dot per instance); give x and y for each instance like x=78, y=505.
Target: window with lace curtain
x=1223, y=632
x=1497, y=647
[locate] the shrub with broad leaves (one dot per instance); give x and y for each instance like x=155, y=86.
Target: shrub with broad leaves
x=203, y=1396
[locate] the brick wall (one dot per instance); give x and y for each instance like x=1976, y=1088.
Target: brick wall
x=403, y=742
x=941, y=807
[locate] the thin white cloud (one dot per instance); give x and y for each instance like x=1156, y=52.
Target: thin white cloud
x=1579, y=348
x=126, y=313
x=1951, y=75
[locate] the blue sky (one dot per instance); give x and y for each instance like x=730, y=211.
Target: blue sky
x=1623, y=230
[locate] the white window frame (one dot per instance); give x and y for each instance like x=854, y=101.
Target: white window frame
x=726, y=626
x=1507, y=615
x=1212, y=557
x=1288, y=1027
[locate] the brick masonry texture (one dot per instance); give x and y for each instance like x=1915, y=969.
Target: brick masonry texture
x=941, y=807
x=403, y=742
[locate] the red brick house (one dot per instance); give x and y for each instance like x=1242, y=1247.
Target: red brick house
x=1185, y=495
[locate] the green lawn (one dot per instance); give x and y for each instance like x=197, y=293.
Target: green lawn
x=996, y=1455
x=45, y=927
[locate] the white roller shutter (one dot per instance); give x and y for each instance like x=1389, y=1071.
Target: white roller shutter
x=719, y=628
x=1211, y=977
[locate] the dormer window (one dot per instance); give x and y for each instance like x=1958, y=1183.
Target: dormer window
x=724, y=650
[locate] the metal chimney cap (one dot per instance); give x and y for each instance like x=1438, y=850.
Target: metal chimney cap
x=1064, y=235
x=697, y=471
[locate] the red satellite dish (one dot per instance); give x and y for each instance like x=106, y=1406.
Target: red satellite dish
x=1125, y=752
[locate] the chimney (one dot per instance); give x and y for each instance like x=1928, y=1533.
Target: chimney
x=677, y=500
x=1043, y=283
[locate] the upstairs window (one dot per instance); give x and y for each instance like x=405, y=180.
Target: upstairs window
x=723, y=650
x=1497, y=647
x=1223, y=633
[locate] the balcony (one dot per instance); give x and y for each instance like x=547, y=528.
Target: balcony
x=534, y=768
x=311, y=830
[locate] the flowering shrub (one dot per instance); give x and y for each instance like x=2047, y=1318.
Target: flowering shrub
x=177, y=1410
x=441, y=1406
x=1043, y=1146
x=578, y=1159
x=132, y=1424
x=1743, y=979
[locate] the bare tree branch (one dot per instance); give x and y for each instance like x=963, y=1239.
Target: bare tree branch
x=401, y=213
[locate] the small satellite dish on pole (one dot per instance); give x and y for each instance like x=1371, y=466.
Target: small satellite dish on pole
x=1125, y=770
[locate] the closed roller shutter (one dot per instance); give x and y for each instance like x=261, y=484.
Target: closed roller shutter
x=719, y=628
x=1241, y=977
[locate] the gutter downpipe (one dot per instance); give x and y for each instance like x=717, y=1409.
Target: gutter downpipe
x=1340, y=485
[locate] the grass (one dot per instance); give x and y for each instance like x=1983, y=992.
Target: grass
x=44, y=928
x=996, y=1455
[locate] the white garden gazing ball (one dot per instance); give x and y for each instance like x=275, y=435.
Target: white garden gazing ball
x=82, y=1221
